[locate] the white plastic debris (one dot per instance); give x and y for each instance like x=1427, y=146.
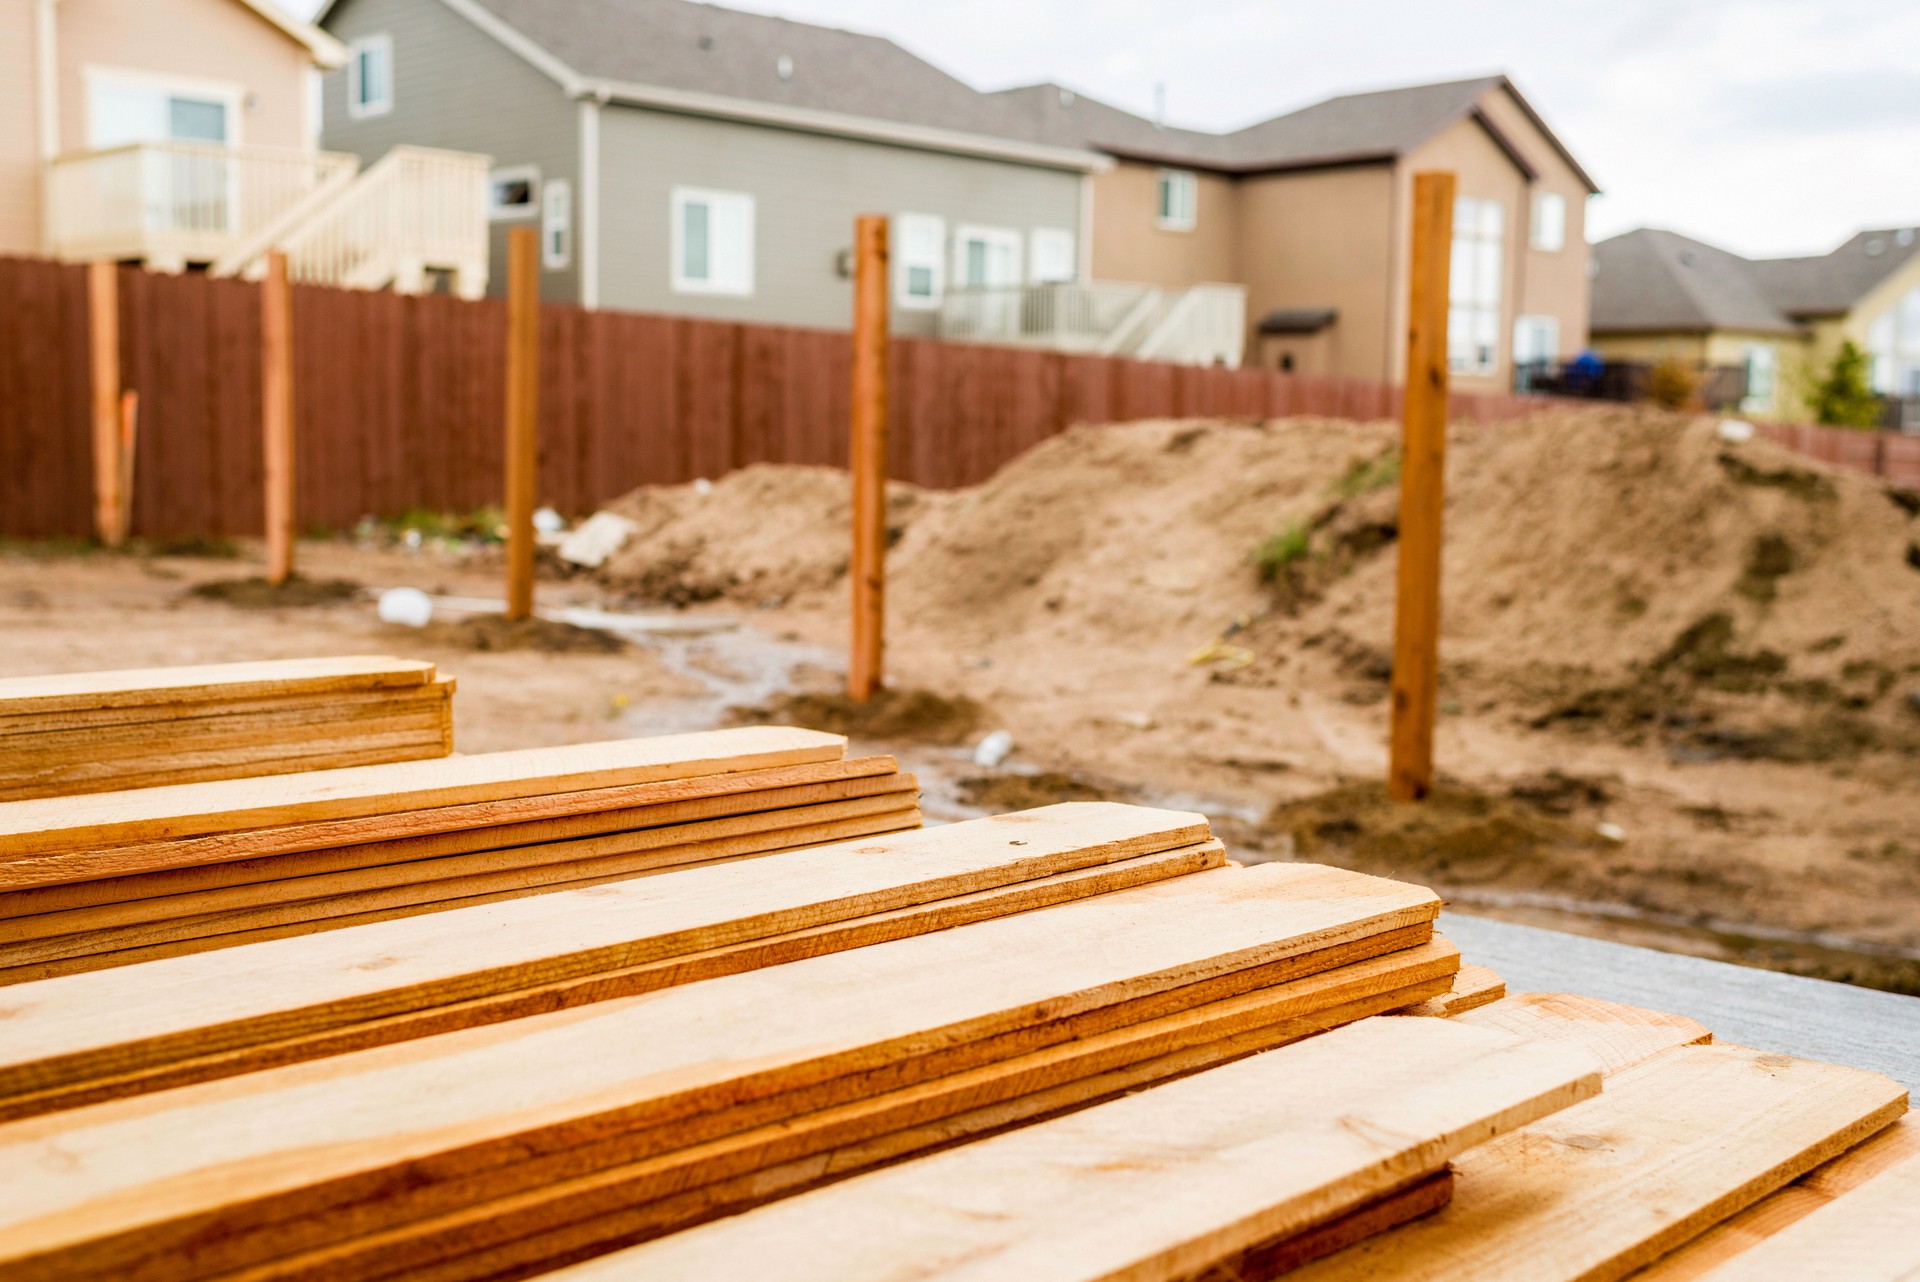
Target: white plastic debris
x=595, y=539
x=1611, y=832
x=993, y=749
x=1734, y=430
x=703, y=486
x=548, y=521
x=409, y=607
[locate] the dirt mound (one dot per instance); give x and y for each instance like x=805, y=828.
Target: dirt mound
x=258, y=594
x=493, y=633
x=917, y=716
x=762, y=534
x=1000, y=793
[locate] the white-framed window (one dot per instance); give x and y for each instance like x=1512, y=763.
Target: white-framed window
x=513, y=191
x=1893, y=341
x=137, y=106
x=556, y=225
x=1053, y=258
x=1759, y=360
x=712, y=242
x=370, y=76
x=919, y=260
x=1536, y=339
x=1549, y=221
x=1473, y=314
x=1178, y=200
x=986, y=257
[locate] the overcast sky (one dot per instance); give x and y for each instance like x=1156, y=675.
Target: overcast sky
x=1766, y=126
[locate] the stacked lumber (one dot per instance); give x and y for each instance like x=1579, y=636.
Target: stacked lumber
x=148, y=727
x=116, y=878
x=512, y=1146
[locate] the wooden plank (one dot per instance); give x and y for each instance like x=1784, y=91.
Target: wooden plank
x=177, y=1056
x=72, y=954
x=1160, y=1185
x=617, y=1206
x=439, y=1118
x=1870, y=1235
x=207, y=682
x=276, y=417
x=867, y=568
x=164, y=714
x=49, y=842
x=1617, y=1036
x=523, y=415
x=1273, y=1259
x=701, y=798
x=51, y=936
x=1473, y=987
x=1674, y=1146
x=1820, y=1187
x=1416, y=623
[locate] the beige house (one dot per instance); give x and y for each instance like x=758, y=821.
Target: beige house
x=182, y=133
x=1777, y=321
x=1309, y=212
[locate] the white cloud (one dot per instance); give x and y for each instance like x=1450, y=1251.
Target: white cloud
x=1768, y=126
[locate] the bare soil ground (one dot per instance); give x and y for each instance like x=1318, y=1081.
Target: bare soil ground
x=1681, y=677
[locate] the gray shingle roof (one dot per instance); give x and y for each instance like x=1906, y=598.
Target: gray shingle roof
x=1660, y=280
x=702, y=48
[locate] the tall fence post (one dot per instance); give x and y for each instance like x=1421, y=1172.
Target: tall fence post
x=867, y=458
x=276, y=392
x=1423, y=464
x=103, y=328
x=523, y=415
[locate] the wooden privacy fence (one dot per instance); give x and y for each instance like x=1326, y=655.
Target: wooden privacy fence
x=399, y=402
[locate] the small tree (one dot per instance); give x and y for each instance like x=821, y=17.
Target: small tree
x=1844, y=397
x=1673, y=384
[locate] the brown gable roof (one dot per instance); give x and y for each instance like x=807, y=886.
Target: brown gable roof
x=1831, y=284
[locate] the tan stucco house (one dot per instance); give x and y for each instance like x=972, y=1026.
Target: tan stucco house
x=1310, y=213
x=1658, y=294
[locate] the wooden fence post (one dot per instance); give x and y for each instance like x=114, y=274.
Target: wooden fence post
x=867, y=458
x=523, y=415
x=1416, y=628
x=129, y=440
x=276, y=419
x=103, y=327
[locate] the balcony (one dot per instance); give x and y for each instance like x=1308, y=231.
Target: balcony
x=175, y=205
x=1201, y=325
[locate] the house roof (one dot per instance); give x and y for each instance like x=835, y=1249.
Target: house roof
x=326, y=51
x=1651, y=280
x=1352, y=128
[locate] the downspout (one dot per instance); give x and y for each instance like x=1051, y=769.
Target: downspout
x=46, y=51
x=590, y=199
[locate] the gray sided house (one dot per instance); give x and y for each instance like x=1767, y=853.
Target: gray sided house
x=678, y=157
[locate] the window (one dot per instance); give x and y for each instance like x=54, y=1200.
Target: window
x=1549, y=221
x=131, y=107
x=556, y=225
x=986, y=257
x=1536, y=339
x=1759, y=362
x=1179, y=195
x=712, y=242
x=370, y=77
x=513, y=192
x=1473, y=317
x=919, y=260
x=1053, y=258
x=1893, y=341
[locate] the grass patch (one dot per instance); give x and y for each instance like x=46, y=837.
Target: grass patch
x=1276, y=558
x=1369, y=475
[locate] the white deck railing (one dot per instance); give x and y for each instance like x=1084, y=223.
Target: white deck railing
x=1203, y=325
x=172, y=204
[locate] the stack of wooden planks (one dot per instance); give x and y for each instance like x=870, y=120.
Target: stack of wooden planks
x=904, y=995
x=115, y=878
x=143, y=728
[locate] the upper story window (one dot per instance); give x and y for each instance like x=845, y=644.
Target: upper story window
x=132, y=106
x=513, y=192
x=1549, y=221
x=1893, y=341
x=1473, y=314
x=1179, y=199
x=370, y=76
x=919, y=260
x=712, y=241
x=1053, y=257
